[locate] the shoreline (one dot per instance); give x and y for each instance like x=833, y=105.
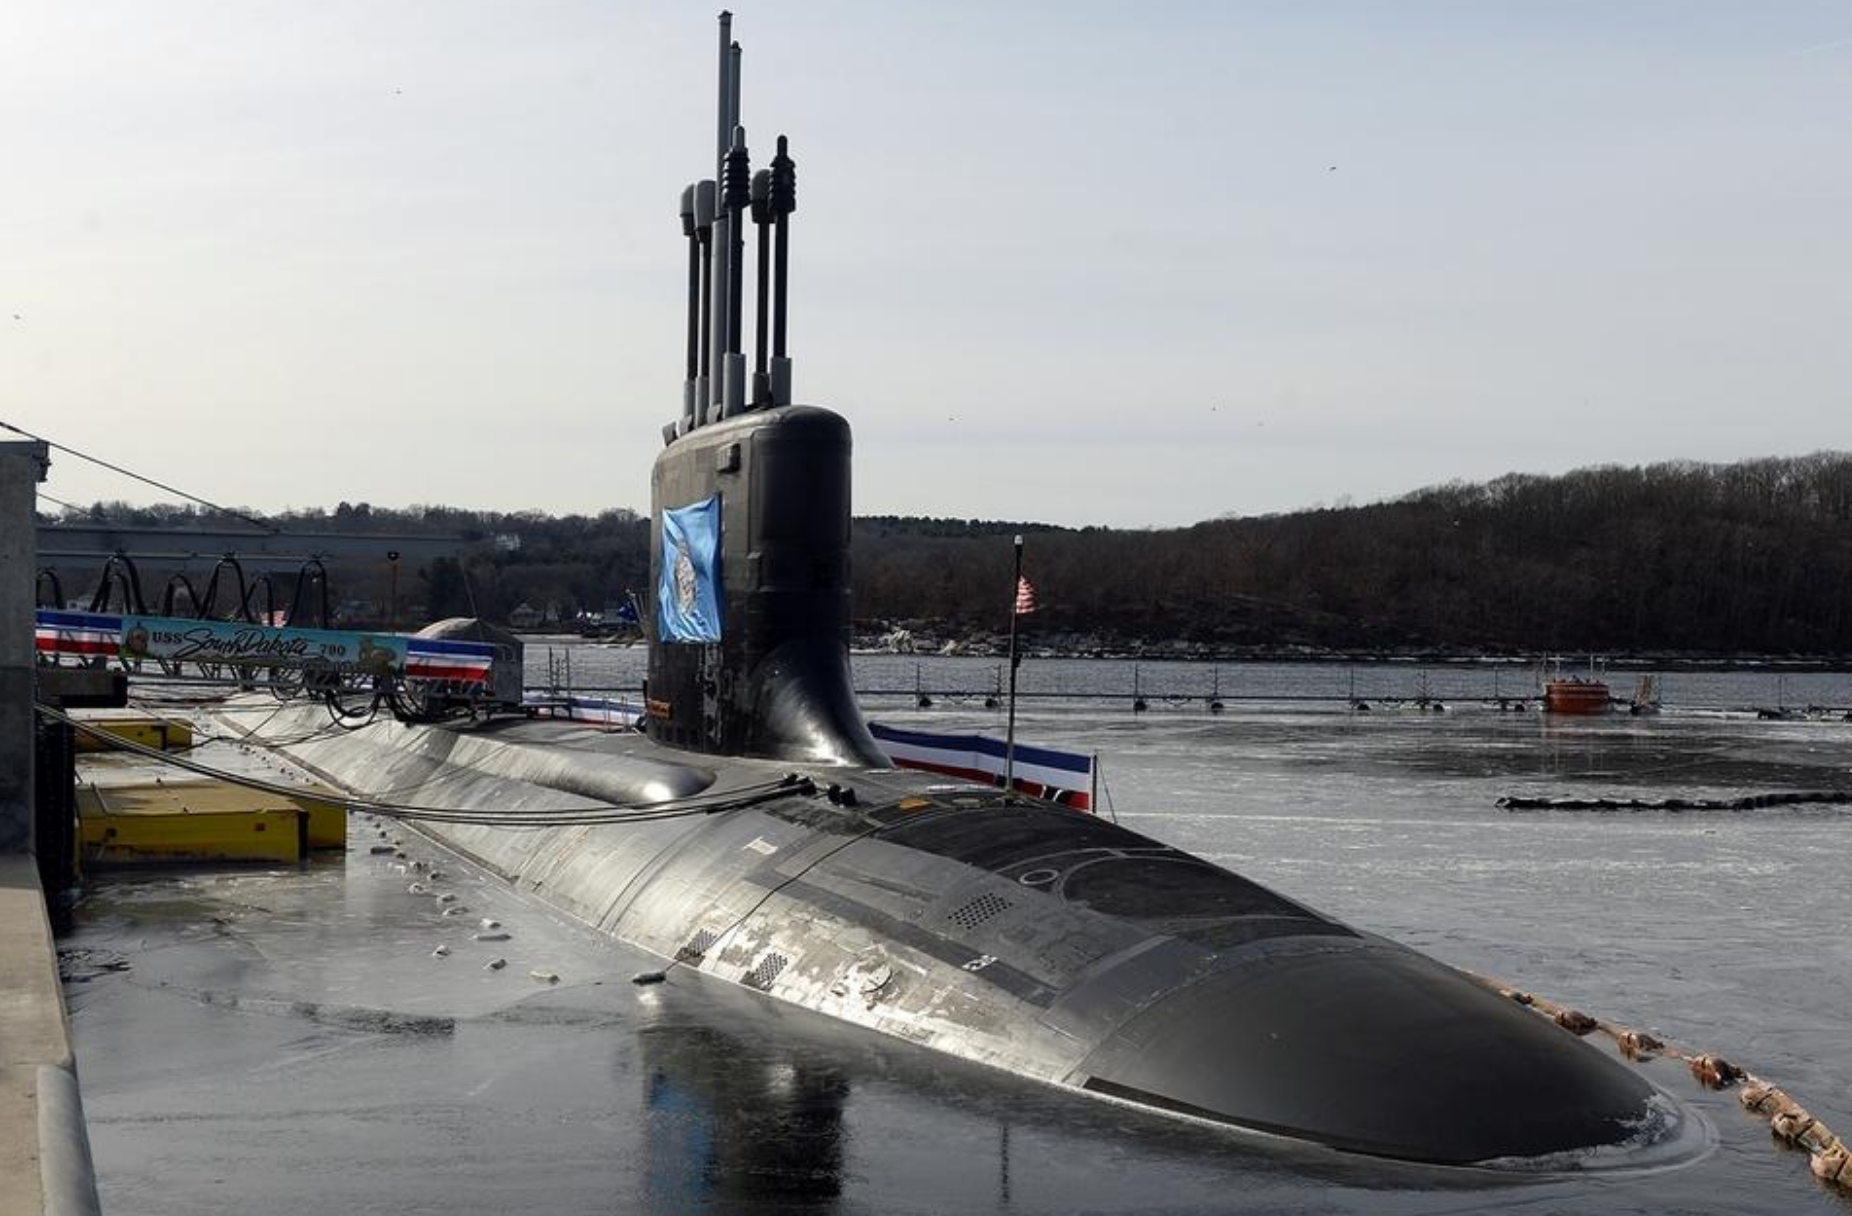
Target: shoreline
x=985, y=647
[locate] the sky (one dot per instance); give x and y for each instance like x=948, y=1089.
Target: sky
x=1127, y=264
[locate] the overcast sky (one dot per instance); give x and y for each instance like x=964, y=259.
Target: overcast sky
x=1085, y=263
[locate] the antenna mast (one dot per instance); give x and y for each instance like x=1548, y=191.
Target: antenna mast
x=718, y=382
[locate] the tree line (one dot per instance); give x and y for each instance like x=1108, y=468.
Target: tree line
x=1746, y=558
x=1753, y=557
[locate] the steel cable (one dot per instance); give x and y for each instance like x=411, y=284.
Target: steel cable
x=530, y=817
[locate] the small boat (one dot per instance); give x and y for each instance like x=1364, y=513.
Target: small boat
x=1571, y=694
x=1574, y=695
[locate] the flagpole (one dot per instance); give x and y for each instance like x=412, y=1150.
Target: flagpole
x=1009, y=738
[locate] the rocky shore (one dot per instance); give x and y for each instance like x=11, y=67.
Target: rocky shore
x=934, y=637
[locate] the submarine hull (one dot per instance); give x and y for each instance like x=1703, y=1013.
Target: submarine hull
x=1019, y=934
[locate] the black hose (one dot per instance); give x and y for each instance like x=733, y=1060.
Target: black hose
x=538, y=817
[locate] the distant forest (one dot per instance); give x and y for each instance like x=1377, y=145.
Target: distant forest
x=1677, y=558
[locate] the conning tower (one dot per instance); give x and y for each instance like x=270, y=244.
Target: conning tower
x=749, y=501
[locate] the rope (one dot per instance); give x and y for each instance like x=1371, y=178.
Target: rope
x=537, y=817
x=200, y=737
x=337, y=727
x=159, y=485
x=1829, y=1156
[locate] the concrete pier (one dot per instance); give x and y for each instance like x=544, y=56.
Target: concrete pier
x=22, y=467
x=44, y=1146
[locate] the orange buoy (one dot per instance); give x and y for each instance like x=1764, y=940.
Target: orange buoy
x=1715, y=1072
x=1763, y=1098
x=1834, y=1165
x=1638, y=1045
x=1791, y=1124
x=1576, y=1022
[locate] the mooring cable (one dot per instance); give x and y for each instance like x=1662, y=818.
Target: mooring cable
x=59, y=502
x=328, y=731
x=199, y=737
x=596, y=814
x=1829, y=1157
x=159, y=485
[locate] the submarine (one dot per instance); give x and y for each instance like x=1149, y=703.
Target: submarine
x=752, y=832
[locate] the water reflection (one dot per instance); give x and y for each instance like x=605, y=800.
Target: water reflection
x=747, y=1109
x=726, y=1126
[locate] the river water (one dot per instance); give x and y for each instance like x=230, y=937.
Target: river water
x=1176, y=684
x=262, y=1050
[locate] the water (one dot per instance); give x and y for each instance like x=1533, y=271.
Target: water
x=1720, y=931
x=1178, y=684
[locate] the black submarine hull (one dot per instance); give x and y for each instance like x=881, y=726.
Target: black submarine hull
x=968, y=920
x=1022, y=935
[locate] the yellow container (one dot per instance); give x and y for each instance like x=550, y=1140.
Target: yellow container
x=179, y=834
x=164, y=734
x=200, y=821
x=327, y=817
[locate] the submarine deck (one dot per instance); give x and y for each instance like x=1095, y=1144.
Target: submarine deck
x=694, y=1096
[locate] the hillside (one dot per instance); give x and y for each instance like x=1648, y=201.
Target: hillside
x=1746, y=558
x=1754, y=557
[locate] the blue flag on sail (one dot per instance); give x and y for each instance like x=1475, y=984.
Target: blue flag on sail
x=688, y=587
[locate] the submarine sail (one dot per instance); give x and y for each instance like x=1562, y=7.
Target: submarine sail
x=755, y=834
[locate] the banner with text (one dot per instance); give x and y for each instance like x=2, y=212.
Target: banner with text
x=179, y=640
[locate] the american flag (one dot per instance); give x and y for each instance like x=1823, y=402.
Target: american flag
x=1025, y=597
